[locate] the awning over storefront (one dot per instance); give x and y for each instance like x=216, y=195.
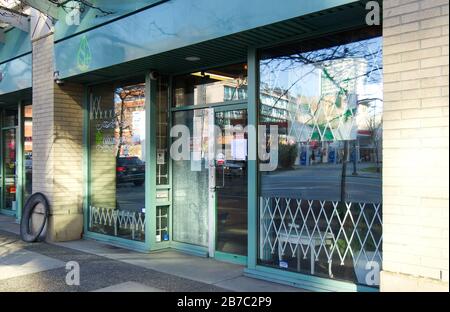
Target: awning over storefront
x=15, y=77
x=15, y=63
x=167, y=36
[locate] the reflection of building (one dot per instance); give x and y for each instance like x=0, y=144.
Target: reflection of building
x=276, y=108
x=221, y=91
x=332, y=115
x=343, y=75
x=130, y=131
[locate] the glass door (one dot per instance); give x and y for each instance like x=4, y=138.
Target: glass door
x=9, y=169
x=230, y=185
x=210, y=181
x=190, y=199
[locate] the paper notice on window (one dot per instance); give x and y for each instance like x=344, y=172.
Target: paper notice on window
x=160, y=157
x=139, y=124
x=239, y=149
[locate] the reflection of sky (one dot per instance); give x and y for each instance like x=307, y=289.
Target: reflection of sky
x=16, y=74
x=302, y=79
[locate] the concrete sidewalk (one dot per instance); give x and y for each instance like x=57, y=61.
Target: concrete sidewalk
x=42, y=267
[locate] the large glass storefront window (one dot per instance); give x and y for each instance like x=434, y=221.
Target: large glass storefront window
x=117, y=145
x=320, y=209
x=216, y=85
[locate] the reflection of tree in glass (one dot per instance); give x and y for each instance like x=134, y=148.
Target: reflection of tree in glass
x=67, y=6
x=331, y=94
x=323, y=61
x=124, y=94
x=18, y=6
x=374, y=126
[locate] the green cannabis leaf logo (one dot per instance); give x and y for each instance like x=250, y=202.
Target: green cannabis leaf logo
x=84, y=56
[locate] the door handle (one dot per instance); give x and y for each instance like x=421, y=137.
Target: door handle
x=223, y=179
x=217, y=187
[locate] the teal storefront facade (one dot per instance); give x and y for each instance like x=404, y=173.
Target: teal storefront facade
x=15, y=121
x=309, y=73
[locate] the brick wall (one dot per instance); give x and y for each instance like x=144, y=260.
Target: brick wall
x=57, y=145
x=43, y=115
x=415, y=139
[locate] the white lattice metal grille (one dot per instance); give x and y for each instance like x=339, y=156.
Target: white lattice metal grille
x=118, y=219
x=327, y=231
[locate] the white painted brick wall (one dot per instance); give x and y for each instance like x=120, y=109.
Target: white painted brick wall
x=415, y=142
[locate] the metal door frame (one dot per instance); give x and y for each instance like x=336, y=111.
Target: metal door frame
x=3, y=175
x=212, y=194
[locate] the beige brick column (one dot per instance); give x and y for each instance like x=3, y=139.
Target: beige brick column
x=415, y=141
x=57, y=144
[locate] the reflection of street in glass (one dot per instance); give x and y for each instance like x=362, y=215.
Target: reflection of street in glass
x=324, y=182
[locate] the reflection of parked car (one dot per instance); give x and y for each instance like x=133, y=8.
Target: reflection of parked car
x=235, y=168
x=28, y=162
x=130, y=170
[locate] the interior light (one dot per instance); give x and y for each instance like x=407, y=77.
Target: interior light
x=213, y=76
x=192, y=58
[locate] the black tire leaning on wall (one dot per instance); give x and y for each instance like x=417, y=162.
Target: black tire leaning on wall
x=28, y=209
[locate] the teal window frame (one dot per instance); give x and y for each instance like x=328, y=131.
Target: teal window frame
x=87, y=234
x=20, y=184
x=252, y=268
x=17, y=214
x=191, y=248
x=197, y=250
x=150, y=243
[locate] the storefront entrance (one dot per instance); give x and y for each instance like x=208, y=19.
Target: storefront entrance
x=9, y=178
x=228, y=183
x=15, y=158
x=210, y=189
x=8, y=161
x=209, y=168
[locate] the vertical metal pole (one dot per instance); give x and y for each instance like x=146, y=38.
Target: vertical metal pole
x=169, y=160
x=252, y=112
x=355, y=154
x=2, y=171
x=19, y=161
x=344, y=172
x=150, y=163
x=87, y=210
x=211, y=184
